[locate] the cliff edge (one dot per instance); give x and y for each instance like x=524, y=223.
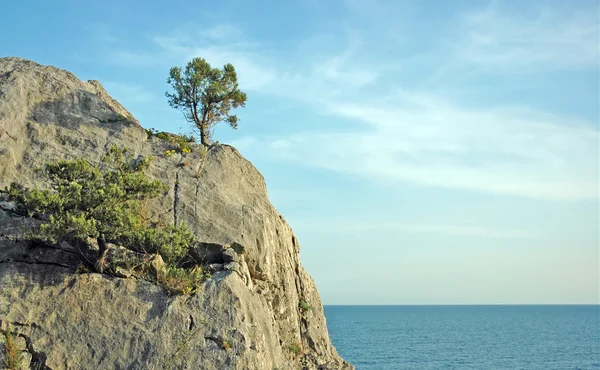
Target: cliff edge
x=262, y=313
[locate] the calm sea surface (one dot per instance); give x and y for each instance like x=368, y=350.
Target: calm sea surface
x=466, y=337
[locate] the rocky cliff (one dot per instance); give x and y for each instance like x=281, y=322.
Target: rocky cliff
x=252, y=315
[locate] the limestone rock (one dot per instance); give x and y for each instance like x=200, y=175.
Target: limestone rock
x=209, y=252
x=229, y=255
x=157, y=264
x=122, y=272
x=94, y=321
x=237, y=247
x=216, y=266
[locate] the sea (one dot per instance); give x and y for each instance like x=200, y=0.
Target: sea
x=467, y=337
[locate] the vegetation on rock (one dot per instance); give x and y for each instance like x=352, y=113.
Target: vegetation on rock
x=205, y=95
x=104, y=202
x=294, y=348
x=182, y=143
x=178, y=280
x=305, y=306
x=13, y=357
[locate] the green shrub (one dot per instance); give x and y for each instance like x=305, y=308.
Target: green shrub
x=182, y=143
x=87, y=201
x=171, y=242
x=102, y=202
x=304, y=306
x=188, y=138
x=151, y=132
x=169, y=153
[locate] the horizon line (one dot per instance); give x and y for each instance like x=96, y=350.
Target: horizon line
x=468, y=304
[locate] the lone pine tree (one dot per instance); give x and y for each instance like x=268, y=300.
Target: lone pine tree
x=205, y=95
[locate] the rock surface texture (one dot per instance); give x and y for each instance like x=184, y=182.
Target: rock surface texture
x=250, y=315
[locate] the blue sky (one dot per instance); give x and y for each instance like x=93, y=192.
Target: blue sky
x=424, y=152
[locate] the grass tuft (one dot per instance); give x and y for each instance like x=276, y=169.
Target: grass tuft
x=179, y=280
x=295, y=348
x=304, y=306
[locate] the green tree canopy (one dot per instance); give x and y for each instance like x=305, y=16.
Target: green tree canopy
x=102, y=202
x=205, y=95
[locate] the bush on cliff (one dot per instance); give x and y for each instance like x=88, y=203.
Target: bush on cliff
x=102, y=202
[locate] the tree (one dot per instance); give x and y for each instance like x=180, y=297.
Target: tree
x=101, y=202
x=205, y=95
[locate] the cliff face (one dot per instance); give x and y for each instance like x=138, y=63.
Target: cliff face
x=68, y=320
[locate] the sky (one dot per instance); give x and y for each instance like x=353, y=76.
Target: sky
x=424, y=152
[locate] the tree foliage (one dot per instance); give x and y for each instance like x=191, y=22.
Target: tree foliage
x=205, y=95
x=102, y=202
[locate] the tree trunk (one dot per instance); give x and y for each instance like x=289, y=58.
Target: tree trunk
x=102, y=249
x=204, y=134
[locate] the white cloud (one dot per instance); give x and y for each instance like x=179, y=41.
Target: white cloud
x=219, y=45
x=545, y=37
x=222, y=32
x=252, y=69
x=415, y=136
x=280, y=144
x=502, y=151
x=409, y=135
x=339, y=69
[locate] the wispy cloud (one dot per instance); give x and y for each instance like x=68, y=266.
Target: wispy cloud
x=402, y=133
x=409, y=135
x=219, y=45
x=546, y=37
x=501, y=151
x=222, y=32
